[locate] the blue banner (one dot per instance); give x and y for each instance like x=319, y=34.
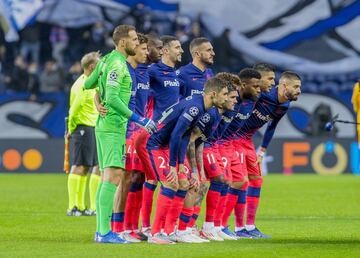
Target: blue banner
x=39, y=119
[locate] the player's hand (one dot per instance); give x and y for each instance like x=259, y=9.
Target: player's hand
x=194, y=181
x=148, y=124
x=101, y=109
x=260, y=157
x=172, y=176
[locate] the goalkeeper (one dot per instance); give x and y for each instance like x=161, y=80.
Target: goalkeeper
x=112, y=77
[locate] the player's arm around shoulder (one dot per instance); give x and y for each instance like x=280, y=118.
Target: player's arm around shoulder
x=92, y=80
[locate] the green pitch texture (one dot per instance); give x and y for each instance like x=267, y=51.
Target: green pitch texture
x=307, y=215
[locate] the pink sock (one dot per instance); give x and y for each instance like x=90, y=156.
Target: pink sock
x=221, y=206
x=240, y=209
x=136, y=217
x=212, y=200
x=163, y=204
x=130, y=206
x=252, y=200
x=185, y=217
x=231, y=201
x=147, y=202
x=174, y=212
x=194, y=216
x=117, y=222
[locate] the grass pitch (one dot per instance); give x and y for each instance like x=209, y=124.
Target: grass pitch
x=307, y=215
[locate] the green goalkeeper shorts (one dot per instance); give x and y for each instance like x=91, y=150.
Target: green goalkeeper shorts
x=111, y=149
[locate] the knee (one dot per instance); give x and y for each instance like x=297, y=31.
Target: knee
x=79, y=170
x=152, y=182
x=219, y=178
x=136, y=178
x=255, y=181
x=184, y=184
x=237, y=185
x=171, y=185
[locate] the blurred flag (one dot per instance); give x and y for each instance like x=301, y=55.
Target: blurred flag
x=16, y=14
x=157, y=5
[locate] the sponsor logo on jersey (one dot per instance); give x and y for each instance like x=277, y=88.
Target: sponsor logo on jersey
x=262, y=117
x=174, y=83
x=144, y=86
x=242, y=116
x=196, y=92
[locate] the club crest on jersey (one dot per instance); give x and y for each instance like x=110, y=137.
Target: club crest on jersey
x=205, y=118
x=194, y=111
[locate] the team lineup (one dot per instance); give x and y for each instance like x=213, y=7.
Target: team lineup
x=138, y=123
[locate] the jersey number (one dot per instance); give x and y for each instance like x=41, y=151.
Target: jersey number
x=162, y=165
x=210, y=158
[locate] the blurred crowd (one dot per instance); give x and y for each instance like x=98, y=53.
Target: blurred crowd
x=46, y=58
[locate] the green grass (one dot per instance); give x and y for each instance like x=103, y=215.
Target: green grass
x=307, y=215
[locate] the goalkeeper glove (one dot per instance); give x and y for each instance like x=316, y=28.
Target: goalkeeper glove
x=147, y=123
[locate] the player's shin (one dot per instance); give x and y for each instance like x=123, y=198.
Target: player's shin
x=252, y=201
x=147, y=202
x=240, y=208
x=175, y=210
x=163, y=204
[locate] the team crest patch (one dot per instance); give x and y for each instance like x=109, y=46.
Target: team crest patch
x=213, y=166
x=205, y=118
x=82, y=132
x=194, y=111
x=113, y=76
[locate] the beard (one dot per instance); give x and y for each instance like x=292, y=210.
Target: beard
x=291, y=97
x=248, y=95
x=129, y=52
x=207, y=62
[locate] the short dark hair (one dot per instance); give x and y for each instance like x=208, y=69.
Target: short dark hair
x=167, y=40
x=121, y=31
x=152, y=39
x=290, y=75
x=249, y=73
x=215, y=84
x=264, y=67
x=142, y=38
x=233, y=79
x=196, y=42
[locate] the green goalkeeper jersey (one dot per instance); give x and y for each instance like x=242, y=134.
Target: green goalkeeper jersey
x=112, y=77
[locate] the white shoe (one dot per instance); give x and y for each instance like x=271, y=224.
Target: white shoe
x=146, y=231
x=211, y=235
x=195, y=230
x=197, y=237
x=160, y=239
x=186, y=237
x=183, y=237
x=225, y=236
x=126, y=236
